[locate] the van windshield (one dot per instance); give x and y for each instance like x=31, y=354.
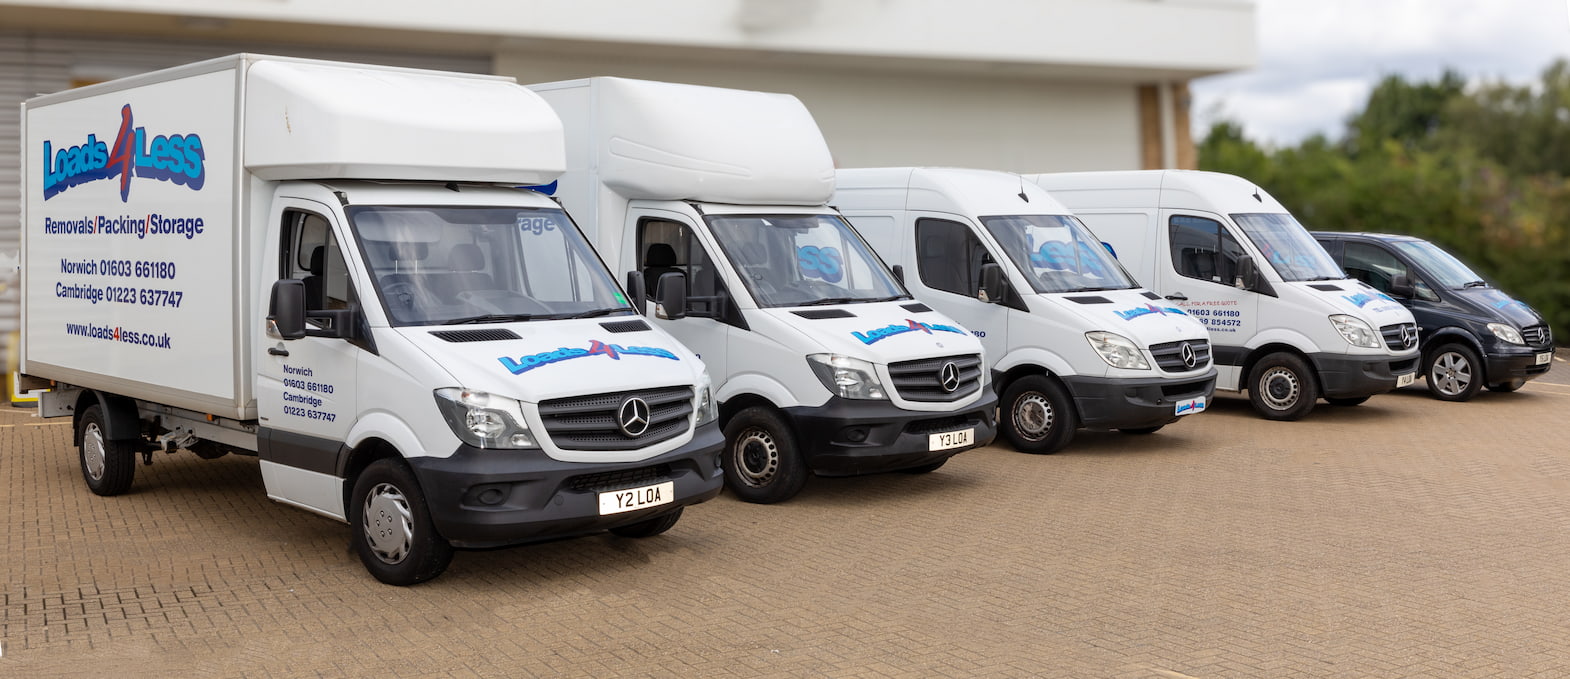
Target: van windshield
x=803, y=260
x=456, y=265
x=1441, y=267
x=1294, y=254
x=1058, y=254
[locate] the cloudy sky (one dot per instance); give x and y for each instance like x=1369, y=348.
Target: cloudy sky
x=1318, y=59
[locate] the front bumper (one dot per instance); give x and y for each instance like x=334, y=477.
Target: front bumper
x=1115, y=403
x=847, y=437
x=1353, y=376
x=490, y=498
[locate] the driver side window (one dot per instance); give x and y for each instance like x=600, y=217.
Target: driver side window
x=670, y=247
x=1377, y=267
x=949, y=256
x=312, y=255
x=1203, y=249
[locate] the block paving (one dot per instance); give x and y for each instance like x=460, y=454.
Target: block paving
x=1405, y=537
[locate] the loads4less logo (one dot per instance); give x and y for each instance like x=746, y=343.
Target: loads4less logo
x=175, y=158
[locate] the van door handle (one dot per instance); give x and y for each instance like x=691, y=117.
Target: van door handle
x=1178, y=297
x=277, y=351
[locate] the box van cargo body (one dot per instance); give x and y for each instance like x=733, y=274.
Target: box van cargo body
x=327, y=266
x=1473, y=334
x=1286, y=324
x=1072, y=340
x=822, y=361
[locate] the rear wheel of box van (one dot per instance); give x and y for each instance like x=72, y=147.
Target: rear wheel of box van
x=108, y=466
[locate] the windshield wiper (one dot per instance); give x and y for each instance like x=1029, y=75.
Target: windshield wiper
x=1476, y=284
x=833, y=300
x=600, y=312
x=491, y=318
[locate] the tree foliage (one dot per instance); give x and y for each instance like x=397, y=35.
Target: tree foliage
x=1483, y=171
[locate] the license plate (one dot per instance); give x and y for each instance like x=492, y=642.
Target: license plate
x=1191, y=406
x=1545, y=357
x=618, y=501
x=1404, y=380
x=951, y=439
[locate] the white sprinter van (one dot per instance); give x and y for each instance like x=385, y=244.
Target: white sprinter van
x=1072, y=340
x=327, y=266
x=1286, y=324
x=823, y=363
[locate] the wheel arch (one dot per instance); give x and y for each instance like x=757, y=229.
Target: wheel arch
x=121, y=419
x=1258, y=353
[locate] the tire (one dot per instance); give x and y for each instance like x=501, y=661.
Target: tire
x=1281, y=386
x=1507, y=387
x=107, y=466
x=1346, y=401
x=1038, y=415
x=390, y=526
x=1453, y=372
x=762, y=463
x=650, y=527
x=1141, y=431
x=927, y=468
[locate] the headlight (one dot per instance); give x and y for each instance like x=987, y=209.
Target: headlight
x=1355, y=331
x=1117, y=350
x=708, y=410
x=1507, y=333
x=847, y=377
x=484, y=420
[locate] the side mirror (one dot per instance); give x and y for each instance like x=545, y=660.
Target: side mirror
x=286, y=310
x=994, y=287
x=1401, y=286
x=1247, y=274
x=636, y=295
x=899, y=273
x=671, y=298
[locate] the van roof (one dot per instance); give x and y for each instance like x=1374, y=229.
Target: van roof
x=1183, y=189
x=950, y=189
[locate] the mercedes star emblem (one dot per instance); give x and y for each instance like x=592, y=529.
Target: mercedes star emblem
x=949, y=376
x=1187, y=352
x=633, y=417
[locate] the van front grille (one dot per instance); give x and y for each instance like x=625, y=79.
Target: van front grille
x=931, y=380
x=596, y=422
x=1171, y=357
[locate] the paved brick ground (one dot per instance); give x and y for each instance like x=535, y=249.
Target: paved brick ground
x=1402, y=538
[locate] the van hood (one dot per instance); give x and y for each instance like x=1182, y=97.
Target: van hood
x=1133, y=314
x=542, y=360
x=880, y=332
x=1493, y=303
x=1355, y=299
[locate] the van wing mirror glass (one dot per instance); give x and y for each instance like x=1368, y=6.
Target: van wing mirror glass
x=1247, y=274
x=671, y=298
x=286, y=310
x=1401, y=286
x=635, y=292
x=994, y=287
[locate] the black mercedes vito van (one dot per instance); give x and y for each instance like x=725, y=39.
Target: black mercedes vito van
x=1472, y=334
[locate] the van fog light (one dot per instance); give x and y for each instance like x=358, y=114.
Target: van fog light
x=855, y=434
x=491, y=496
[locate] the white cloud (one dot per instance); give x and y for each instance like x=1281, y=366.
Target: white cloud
x=1320, y=58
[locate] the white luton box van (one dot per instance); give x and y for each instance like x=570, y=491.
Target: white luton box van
x=1286, y=324
x=325, y=265
x=822, y=361
x=1072, y=340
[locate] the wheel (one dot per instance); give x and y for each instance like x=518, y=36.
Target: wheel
x=650, y=527
x=1453, y=372
x=1281, y=387
x=390, y=526
x=107, y=466
x=1141, y=431
x=927, y=468
x=761, y=461
x=1038, y=416
x=1346, y=400
x=1507, y=387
